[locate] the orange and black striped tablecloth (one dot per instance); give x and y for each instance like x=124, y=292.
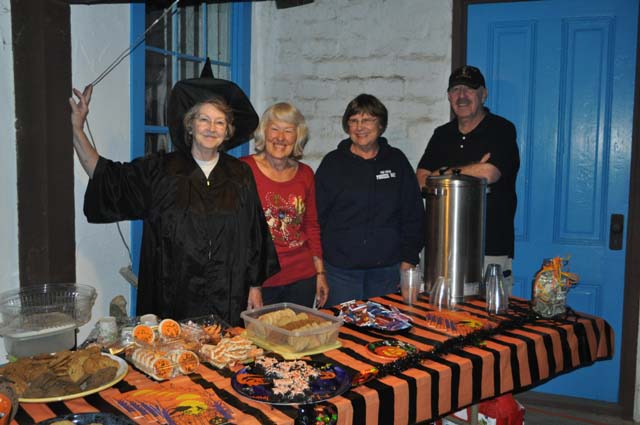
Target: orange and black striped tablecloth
x=515, y=359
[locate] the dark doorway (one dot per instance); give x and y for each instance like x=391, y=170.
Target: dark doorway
x=44, y=151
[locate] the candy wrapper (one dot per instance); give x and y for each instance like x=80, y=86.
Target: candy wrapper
x=374, y=315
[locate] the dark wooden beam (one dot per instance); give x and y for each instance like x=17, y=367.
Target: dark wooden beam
x=46, y=212
x=459, y=34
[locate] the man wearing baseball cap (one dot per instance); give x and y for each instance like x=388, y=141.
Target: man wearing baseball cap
x=480, y=144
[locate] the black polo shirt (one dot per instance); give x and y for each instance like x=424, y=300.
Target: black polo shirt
x=448, y=147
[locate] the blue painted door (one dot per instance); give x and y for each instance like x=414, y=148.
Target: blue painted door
x=563, y=71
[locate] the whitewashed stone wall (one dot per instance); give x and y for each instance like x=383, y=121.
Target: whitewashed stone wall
x=321, y=55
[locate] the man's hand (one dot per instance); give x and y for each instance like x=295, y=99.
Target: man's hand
x=485, y=158
x=481, y=169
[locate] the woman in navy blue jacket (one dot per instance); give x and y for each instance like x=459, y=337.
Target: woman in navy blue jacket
x=370, y=208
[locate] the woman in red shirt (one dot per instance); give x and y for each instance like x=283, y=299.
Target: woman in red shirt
x=287, y=192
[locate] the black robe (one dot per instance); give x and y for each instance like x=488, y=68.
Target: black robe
x=204, y=241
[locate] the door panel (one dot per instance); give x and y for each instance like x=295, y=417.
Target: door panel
x=563, y=72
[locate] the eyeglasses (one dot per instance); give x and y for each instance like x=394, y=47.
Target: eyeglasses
x=365, y=122
x=205, y=120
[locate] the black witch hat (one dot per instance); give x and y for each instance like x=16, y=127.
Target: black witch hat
x=186, y=93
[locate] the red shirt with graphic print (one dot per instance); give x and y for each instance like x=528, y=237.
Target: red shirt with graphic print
x=290, y=210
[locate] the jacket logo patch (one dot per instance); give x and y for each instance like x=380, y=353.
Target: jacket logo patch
x=385, y=174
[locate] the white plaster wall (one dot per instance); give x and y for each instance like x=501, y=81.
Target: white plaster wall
x=99, y=33
x=320, y=56
x=9, y=270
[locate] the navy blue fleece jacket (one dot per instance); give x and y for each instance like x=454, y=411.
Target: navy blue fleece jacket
x=370, y=210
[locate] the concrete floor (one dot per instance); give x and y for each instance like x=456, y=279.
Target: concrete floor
x=552, y=410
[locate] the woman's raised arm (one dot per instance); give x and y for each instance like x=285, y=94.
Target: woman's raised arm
x=79, y=110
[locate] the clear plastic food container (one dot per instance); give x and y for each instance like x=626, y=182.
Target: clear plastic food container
x=43, y=306
x=171, y=348
x=317, y=330
x=164, y=361
x=43, y=318
x=156, y=364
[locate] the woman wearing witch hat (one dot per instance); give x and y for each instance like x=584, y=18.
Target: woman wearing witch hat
x=206, y=247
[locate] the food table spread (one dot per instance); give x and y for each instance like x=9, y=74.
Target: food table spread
x=448, y=370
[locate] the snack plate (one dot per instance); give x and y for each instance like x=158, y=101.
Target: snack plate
x=333, y=382
x=391, y=348
x=123, y=368
x=91, y=418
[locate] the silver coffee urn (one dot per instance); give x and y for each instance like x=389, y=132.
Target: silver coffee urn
x=455, y=231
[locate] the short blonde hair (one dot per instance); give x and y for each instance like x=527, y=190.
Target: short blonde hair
x=218, y=103
x=288, y=113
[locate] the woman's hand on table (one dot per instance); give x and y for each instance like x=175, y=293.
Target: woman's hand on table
x=255, y=298
x=322, y=290
x=406, y=266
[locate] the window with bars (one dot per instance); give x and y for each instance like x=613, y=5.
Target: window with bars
x=177, y=48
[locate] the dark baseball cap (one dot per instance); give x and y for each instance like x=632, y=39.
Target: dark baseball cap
x=466, y=75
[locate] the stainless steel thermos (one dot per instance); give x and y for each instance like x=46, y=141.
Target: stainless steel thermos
x=455, y=226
